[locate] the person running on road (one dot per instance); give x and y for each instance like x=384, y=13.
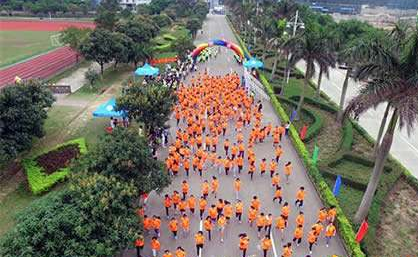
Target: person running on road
x=285, y=210
x=228, y=211
x=213, y=213
x=239, y=208
x=312, y=237
x=139, y=245
x=185, y=189
x=278, y=194
x=176, y=199
x=288, y=171
x=237, y=188
x=287, y=250
x=273, y=167
x=155, y=246
x=173, y=226
x=167, y=253
x=214, y=186
x=268, y=222
x=148, y=224
x=330, y=231
x=191, y=202
x=260, y=222
x=244, y=241
x=185, y=224
x=207, y=224
x=180, y=252
x=281, y=224
x=278, y=153
x=167, y=205
x=297, y=235
x=200, y=241
x=202, y=206
x=300, y=219
x=332, y=213
x=221, y=226
x=275, y=180
x=266, y=245
x=300, y=196
x=205, y=189
x=263, y=166
x=256, y=203
x=156, y=223
x=322, y=215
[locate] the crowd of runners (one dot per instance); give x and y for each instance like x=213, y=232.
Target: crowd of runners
x=207, y=110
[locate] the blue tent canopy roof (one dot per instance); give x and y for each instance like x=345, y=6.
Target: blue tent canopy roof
x=147, y=70
x=108, y=109
x=253, y=63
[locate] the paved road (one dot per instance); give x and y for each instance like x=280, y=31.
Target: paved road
x=404, y=148
x=216, y=27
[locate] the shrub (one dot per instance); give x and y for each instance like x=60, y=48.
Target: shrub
x=39, y=181
x=347, y=138
x=91, y=76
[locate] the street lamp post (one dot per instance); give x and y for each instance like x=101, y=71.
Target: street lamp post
x=296, y=24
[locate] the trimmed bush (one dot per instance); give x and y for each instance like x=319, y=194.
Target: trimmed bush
x=38, y=180
x=347, y=139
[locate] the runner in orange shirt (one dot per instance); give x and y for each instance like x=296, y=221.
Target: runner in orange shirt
x=202, y=206
x=278, y=152
x=155, y=246
x=220, y=207
x=182, y=207
x=288, y=171
x=175, y=199
x=234, y=151
x=252, y=215
x=255, y=202
x=200, y=241
x=213, y=213
x=180, y=252
x=167, y=205
x=263, y=166
x=275, y=180
x=272, y=166
x=244, y=241
x=260, y=223
x=251, y=171
x=322, y=215
x=332, y=213
x=156, y=223
x=287, y=250
x=239, y=208
x=281, y=224
x=191, y=202
x=185, y=224
x=266, y=245
x=237, y=188
x=300, y=196
x=330, y=232
x=185, y=189
x=312, y=237
x=221, y=226
x=268, y=222
x=226, y=146
x=285, y=210
x=139, y=245
x=297, y=235
x=207, y=224
x=300, y=219
x=215, y=186
x=205, y=189
x=173, y=226
x=240, y=163
x=148, y=224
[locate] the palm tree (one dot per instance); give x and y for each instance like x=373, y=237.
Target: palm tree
x=324, y=67
x=277, y=41
x=311, y=48
x=392, y=77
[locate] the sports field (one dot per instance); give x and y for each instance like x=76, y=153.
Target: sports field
x=19, y=45
x=24, y=38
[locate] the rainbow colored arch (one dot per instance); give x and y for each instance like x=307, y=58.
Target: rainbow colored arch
x=219, y=42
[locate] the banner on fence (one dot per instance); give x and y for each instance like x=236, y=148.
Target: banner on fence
x=253, y=85
x=163, y=60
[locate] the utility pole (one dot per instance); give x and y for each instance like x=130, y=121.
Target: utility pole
x=296, y=24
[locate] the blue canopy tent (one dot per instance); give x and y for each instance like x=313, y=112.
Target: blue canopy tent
x=147, y=70
x=108, y=109
x=253, y=63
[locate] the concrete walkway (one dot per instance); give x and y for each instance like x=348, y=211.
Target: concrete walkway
x=217, y=27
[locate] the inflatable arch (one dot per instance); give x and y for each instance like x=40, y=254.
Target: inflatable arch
x=219, y=42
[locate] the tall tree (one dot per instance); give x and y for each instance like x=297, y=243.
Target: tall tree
x=126, y=156
x=309, y=47
x=95, y=216
x=392, y=77
x=98, y=47
x=122, y=48
x=106, y=16
x=75, y=37
x=150, y=105
x=193, y=24
x=23, y=110
x=278, y=39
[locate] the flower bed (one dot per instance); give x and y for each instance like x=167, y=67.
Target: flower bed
x=49, y=168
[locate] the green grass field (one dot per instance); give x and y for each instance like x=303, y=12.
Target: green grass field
x=16, y=46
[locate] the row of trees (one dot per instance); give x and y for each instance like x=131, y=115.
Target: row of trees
x=386, y=62
x=48, y=6
x=127, y=38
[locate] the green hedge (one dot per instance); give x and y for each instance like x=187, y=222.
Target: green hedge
x=344, y=227
x=40, y=182
x=169, y=37
x=327, y=172
x=315, y=127
x=348, y=137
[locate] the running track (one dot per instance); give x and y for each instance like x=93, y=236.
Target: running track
x=43, y=66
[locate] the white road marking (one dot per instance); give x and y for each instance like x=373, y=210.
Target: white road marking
x=272, y=243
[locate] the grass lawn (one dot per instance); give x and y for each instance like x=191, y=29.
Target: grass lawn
x=18, y=45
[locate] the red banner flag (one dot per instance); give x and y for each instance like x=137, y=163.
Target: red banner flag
x=362, y=231
x=302, y=133
x=163, y=60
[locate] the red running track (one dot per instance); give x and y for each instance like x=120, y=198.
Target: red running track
x=42, y=25
x=42, y=67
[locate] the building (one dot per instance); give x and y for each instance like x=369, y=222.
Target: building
x=131, y=4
